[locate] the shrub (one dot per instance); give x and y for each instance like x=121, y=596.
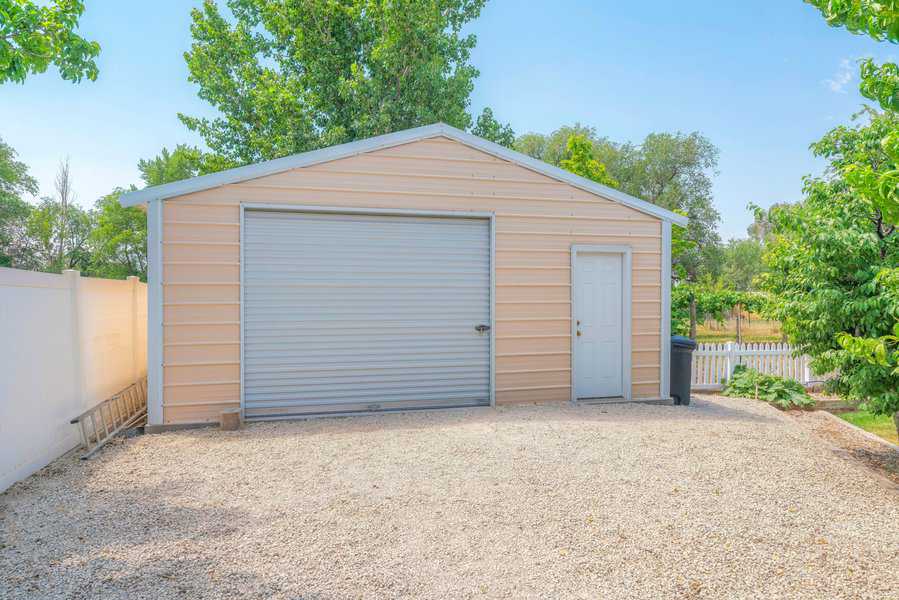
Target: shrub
x=782, y=393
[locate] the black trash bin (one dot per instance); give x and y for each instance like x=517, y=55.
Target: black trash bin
x=681, y=368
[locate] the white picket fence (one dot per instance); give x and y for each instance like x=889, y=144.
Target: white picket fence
x=713, y=364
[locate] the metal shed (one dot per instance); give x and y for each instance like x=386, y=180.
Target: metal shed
x=421, y=269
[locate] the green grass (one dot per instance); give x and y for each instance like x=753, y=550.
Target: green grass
x=881, y=426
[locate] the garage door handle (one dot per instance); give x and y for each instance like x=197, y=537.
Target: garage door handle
x=482, y=328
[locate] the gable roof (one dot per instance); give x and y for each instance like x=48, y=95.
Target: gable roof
x=305, y=159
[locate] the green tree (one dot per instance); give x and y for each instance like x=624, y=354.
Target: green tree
x=59, y=236
x=864, y=180
x=14, y=210
x=672, y=170
x=579, y=159
x=288, y=77
x=707, y=299
x=182, y=163
x=551, y=148
x=829, y=259
x=761, y=227
x=118, y=239
x=35, y=35
x=489, y=128
x=880, y=21
x=742, y=263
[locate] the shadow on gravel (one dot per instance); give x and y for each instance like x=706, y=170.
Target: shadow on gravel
x=89, y=543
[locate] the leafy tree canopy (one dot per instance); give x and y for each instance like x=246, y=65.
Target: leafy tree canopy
x=712, y=300
x=826, y=257
x=14, y=210
x=878, y=19
x=181, y=163
x=489, y=128
x=118, y=239
x=551, y=147
x=742, y=263
x=14, y=177
x=672, y=170
x=59, y=236
x=35, y=35
x=579, y=160
x=294, y=76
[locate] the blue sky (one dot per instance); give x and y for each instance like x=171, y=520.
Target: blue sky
x=761, y=79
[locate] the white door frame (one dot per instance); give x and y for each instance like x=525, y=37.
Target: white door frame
x=626, y=298
x=489, y=216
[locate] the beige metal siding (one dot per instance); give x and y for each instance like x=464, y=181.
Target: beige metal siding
x=537, y=221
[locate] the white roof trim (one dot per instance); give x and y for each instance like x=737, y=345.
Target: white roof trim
x=305, y=159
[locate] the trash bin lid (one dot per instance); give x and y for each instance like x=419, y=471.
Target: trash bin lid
x=681, y=341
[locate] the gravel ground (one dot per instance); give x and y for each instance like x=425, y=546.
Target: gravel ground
x=727, y=498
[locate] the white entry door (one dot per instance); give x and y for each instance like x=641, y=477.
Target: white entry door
x=599, y=326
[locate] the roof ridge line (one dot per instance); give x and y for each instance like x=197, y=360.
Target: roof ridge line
x=345, y=150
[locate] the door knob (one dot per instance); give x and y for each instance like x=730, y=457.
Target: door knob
x=482, y=328
x=579, y=334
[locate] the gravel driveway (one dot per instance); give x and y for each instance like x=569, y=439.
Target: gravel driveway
x=724, y=499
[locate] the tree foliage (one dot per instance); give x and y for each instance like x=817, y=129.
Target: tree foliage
x=58, y=236
x=838, y=287
x=181, y=163
x=118, y=239
x=672, y=170
x=551, y=148
x=711, y=300
x=107, y=240
x=489, y=128
x=742, y=263
x=14, y=183
x=878, y=19
x=827, y=258
x=288, y=77
x=35, y=35
x=580, y=160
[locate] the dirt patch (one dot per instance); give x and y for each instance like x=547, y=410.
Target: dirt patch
x=879, y=457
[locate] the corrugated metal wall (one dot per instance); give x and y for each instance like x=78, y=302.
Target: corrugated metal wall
x=537, y=220
x=364, y=312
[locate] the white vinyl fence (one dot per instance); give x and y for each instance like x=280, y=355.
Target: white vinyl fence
x=66, y=343
x=713, y=364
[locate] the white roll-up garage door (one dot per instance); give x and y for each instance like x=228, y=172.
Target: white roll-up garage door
x=358, y=312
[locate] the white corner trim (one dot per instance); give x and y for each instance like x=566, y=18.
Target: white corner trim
x=493, y=310
x=626, y=253
x=665, y=375
x=242, y=315
x=154, y=314
x=305, y=159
